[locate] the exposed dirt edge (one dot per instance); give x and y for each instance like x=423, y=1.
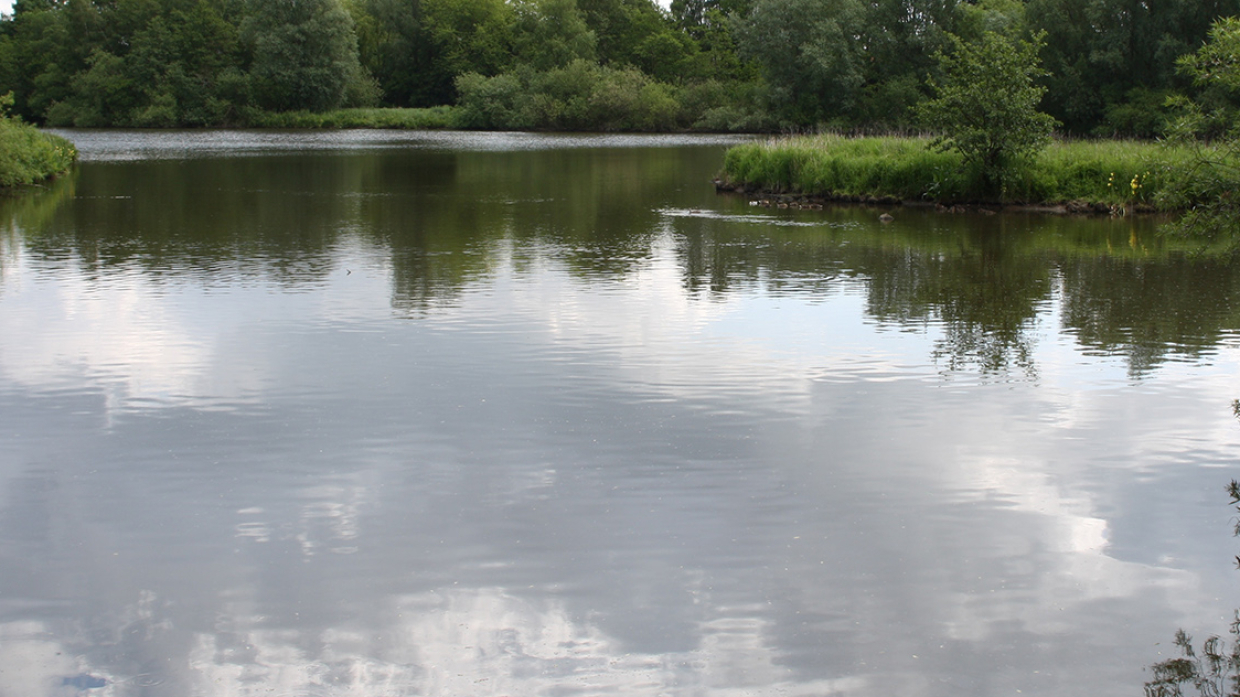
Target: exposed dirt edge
x=777, y=199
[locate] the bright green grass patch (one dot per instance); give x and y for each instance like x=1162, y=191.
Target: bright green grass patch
x=27, y=155
x=1109, y=172
x=413, y=119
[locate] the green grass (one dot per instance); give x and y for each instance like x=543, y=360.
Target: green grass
x=28, y=156
x=431, y=118
x=908, y=169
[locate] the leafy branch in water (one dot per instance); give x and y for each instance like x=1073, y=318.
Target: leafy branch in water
x=1234, y=490
x=1215, y=670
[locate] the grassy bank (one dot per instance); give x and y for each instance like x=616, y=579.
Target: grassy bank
x=28, y=156
x=431, y=118
x=1110, y=173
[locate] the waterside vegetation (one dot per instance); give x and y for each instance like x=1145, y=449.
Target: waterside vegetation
x=1107, y=66
x=27, y=155
x=993, y=145
x=428, y=118
x=1106, y=176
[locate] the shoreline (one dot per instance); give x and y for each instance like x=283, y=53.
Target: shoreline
x=769, y=198
x=1112, y=178
x=30, y=157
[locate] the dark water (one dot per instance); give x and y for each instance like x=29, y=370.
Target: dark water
x=407, y=414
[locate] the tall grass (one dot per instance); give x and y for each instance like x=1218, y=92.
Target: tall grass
x=430, y=118
x=906, y=168
x=28, y=156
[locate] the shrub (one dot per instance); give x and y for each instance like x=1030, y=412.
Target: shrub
x=28, y=155
x=578, y=96
x=985, y=106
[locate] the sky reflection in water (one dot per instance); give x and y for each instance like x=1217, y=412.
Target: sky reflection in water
x=471, y=419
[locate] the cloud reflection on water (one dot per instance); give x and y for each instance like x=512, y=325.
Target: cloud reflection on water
x=574, y=471
x=1048, y=542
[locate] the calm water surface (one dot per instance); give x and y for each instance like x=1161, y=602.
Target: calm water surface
x=390, y=414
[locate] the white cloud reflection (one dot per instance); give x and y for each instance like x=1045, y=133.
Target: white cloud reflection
x=123, y=336
x=150, y=346
x=489, y=642
x=33, y=663
x=147, y=340
x=458, y=642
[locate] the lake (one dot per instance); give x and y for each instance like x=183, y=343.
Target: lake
x=399, y=413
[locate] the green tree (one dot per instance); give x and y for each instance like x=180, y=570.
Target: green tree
x=986, y=105
x=622, y=27
x=171, y=64
x=709, y=23
x=578, y=96
x=551, y=34
x=809, y=53
x=41, y=48
x=393, y=48
x=1110, y=62
x=304, y=53
x=1206, y=188
x=901, y=38
x=465, y=36
x=1000, y=16
x=207, y=80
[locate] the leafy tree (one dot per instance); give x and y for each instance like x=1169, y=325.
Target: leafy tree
x=551, y=34
x=901, y=38
x=1108, y=59
x=999, y=16
x=304, y=53
x=986, y=105
x=846, y=62
x=578, y=96
x=622, y=27
x=42, y=49
x=163, y=65
x=709, y=23
x=102, y=95
x=206, y=80
x=464, y=36
x=809, y=53
x=667, y=55
x=1207, y=188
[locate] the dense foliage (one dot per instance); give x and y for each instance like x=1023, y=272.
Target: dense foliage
x=1114, y=175
x=1206, y=187
x=27, y=155
x=706, y=64
x=985, y=105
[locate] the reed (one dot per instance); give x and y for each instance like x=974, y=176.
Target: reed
x=1119, y=173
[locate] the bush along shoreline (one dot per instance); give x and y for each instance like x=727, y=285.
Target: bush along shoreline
x=28, y=155
x=1086, y=177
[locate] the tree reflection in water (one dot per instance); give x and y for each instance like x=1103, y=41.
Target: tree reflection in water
x=988, y=283
x=1214, y=670
x=984, y=283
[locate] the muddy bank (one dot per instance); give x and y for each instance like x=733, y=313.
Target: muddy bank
x=774, y=199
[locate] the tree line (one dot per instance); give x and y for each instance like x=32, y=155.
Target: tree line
x=1109, y=65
